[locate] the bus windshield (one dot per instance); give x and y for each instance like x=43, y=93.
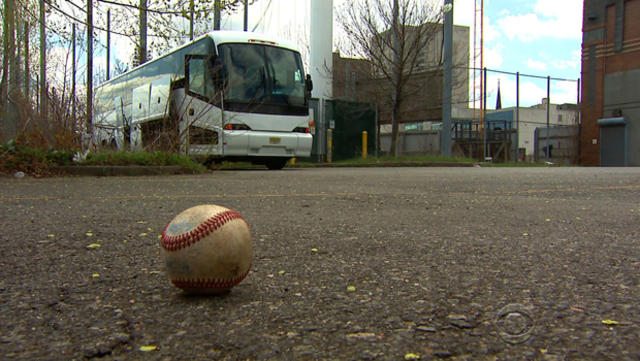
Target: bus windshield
x=261, y=78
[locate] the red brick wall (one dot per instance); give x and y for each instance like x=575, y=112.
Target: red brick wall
x=607, y=61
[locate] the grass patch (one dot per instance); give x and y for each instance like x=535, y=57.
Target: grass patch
x=32, y=161
x=525, y=164
x=41, y=163
x=406, y=159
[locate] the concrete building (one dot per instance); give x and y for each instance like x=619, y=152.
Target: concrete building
x=610, y=109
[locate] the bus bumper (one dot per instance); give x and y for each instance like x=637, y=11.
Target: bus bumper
x=266, y=144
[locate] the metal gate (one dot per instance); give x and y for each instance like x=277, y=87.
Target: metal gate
x=614, y=142
x=346, y=120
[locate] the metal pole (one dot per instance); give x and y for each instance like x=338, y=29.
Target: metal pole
x=9, y=18
x=482, y=80
x=89, y=63
x=484, y=113
x=445, y=132
x=578, y=104
x=517, y=116
x=329, y=145
x=73, y=72
x=364, y=144
x=216, y=15
x=246, y=15
x=26, y=61
x=143, y=32
x=395, y=75
x=548, y=108
x=43, y=64
x=108, y=43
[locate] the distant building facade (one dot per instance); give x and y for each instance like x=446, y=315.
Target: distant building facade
x=610, y=107
x=526, y=125
x=532, y=118
x=356, y=80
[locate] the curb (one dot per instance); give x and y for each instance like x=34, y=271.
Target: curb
x=124, y=170
x=385, y=165
x=138, y=170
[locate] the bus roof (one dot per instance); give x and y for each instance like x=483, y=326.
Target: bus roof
x=227, y=36
x=219, y=37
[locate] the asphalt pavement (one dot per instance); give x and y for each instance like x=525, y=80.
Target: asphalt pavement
x=350, y=264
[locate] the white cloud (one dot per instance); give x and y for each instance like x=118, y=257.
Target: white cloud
x=493, y=56
x=565, y=64
x=537, y=65
x=551, y=18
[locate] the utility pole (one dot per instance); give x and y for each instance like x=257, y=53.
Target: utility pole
x=142, y=57
x=43, y=64
x=26, y=61
x=445, y=132
x=4, y=92
x=216, y=14
x=89, y=63
x=10, y=18
x=191, y=13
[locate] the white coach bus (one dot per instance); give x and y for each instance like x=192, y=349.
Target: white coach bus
x=227, y=95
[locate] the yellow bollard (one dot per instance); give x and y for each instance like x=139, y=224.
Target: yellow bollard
x=364, y=144
x=329, y=145
x=292, y=161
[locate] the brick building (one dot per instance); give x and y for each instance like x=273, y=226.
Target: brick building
x=610, y=109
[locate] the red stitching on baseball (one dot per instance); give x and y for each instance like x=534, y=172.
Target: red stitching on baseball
x=195, y=284
x=175, y=243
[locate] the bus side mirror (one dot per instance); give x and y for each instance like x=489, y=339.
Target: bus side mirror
x=309, y=83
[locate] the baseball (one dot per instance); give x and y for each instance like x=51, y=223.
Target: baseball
x=207, y=249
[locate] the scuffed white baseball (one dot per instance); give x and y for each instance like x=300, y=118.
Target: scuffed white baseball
x=207, y=249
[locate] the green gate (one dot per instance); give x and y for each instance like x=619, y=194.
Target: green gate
x=350, y=119
x=347, y=120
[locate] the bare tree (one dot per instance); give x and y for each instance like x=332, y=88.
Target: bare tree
x=391, y=35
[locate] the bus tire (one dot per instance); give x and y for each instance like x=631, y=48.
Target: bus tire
x=276, y=163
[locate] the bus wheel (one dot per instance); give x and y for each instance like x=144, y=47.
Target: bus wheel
x=276, y=163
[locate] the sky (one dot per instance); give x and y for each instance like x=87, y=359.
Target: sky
x=533, y=37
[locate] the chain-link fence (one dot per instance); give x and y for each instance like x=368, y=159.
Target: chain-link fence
x=517, y=117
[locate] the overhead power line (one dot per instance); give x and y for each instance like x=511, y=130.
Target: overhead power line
x=83, y=22
x=157, y=11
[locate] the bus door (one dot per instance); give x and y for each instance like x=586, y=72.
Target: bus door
x=120, y=136
x=139, y=114
x=202, y=112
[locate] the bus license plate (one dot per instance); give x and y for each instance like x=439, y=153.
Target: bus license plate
x=274, y=140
